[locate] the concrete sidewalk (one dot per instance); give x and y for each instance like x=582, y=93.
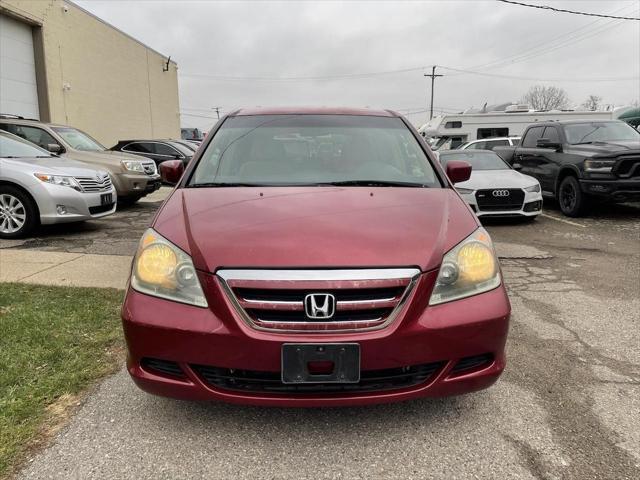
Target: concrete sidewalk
x=112, y=271
x=64, y=269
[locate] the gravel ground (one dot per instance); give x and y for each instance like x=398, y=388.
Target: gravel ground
x=566, y=407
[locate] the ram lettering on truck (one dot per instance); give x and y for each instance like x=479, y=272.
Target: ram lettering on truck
x=580, y=162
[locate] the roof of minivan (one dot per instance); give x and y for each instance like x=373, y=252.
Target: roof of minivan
x=314, y=111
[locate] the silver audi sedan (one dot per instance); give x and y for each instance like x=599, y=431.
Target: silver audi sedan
x=39, y=188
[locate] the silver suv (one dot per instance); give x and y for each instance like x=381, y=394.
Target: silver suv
x=37, y=187
x=133, y=176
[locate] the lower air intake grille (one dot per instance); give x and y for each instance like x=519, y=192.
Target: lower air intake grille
x=270, y=382
x=100, y=209
x=165, y=367
x=472, y=363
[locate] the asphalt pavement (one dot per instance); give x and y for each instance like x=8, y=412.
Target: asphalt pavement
x=567, y=406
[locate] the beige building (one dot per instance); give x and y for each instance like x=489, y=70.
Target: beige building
x=62, y=64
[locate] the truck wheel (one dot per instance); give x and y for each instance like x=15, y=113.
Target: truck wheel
x=571, y=199
x=18, y=213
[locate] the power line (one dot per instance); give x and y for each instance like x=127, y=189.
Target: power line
x=562, y=10
x=568, y=39
x=294, y=78
x=513, y=77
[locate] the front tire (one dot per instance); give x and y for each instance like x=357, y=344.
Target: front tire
x=570, y=197
x=18, y=213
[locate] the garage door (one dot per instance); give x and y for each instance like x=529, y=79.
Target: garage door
x=18, y=92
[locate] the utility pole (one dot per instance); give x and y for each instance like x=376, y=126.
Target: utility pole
x=433, y=79
x=217, y=109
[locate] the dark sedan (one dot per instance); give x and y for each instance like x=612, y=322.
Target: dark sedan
x=157, y=150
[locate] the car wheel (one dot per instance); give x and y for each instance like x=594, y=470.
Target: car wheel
x=571, y=199
x=18, y=213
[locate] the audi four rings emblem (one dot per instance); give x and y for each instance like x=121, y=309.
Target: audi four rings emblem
x=320, y=305
x=500, y=193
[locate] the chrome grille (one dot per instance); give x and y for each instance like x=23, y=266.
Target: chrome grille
x=149, y=168
x=99, y=183
x=275, y=300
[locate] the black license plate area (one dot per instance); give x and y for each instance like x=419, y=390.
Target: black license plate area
x=106, y=199
x=320, y=363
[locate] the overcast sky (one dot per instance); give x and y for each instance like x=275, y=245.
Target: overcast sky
x=211, y=40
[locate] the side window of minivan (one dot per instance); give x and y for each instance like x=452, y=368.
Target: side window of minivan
x=531, y=137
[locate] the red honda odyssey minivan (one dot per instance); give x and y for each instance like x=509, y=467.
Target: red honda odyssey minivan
x=315, y=257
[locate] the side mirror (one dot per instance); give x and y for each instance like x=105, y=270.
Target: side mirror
x=458, y=171
x=516, y=166
x=54, y=148
x=171, y=171
x=546, y=143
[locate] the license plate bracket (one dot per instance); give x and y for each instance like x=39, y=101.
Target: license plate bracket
x=106, y=199
x=296, y=359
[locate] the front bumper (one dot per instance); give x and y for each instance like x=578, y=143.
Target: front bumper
x=135, y=184
x=78, y=206
x=217, y=337
x=531, y=207
x=616, y=190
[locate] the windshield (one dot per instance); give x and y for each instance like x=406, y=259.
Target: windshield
x=78, y=140
x=600, y=132
x=13, y=147
x=313, y=150
x=484, y=160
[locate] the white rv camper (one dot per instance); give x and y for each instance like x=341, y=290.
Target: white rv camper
x=450, y=131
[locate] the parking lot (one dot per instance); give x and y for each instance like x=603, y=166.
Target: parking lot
x=566, y=407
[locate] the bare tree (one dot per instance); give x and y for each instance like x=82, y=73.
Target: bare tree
x=541, y=97
x=592, y=103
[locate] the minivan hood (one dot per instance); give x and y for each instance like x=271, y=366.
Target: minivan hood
x=292, y=227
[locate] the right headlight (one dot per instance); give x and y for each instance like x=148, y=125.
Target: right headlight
x=133, y=166
x=163, y=270
x=599, y=166
x=464, y=191
x=469, y=268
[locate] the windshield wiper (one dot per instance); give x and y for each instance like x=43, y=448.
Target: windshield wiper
x=374, y=183
x=225, y=184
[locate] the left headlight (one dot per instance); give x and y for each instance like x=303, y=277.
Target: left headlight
x=533, y=188
x=469, y=268
x=61, y=180
x=133, y=166
x=163, y=270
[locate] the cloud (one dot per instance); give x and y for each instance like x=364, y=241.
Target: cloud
x=302, y=39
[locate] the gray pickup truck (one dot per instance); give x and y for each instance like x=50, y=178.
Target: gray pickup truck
x=580, y=161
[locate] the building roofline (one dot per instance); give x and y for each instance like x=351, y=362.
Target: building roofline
x=75, y=5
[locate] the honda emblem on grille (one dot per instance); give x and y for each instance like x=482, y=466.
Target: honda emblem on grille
x=500, y=193
x=320, y=305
